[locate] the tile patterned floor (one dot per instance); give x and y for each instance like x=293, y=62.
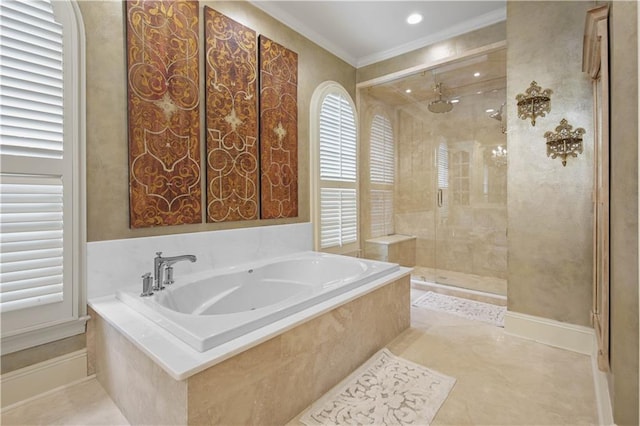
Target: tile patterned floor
x=501, y=380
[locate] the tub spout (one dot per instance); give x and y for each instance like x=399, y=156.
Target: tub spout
x=162, y=264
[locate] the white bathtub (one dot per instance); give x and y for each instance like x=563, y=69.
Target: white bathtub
x=208, y=311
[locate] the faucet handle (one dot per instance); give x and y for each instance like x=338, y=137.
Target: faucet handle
x=147, y=285
x=159, y=254
x=168, y=278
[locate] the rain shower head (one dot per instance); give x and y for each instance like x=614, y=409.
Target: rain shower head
x=440, y=105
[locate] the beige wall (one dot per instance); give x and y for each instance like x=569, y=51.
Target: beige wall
x=107, y=147
x=624, y=211
x=549, y=206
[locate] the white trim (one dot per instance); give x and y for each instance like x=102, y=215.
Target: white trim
x=575, y=338
x=571, y=337
x=33, y=381
x=295, y=24
x=472, y=24
x=38, y=335
x=601, y=387
x=469, y=25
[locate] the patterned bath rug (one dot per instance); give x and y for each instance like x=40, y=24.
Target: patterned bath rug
x=386, y=390
x=469, y=309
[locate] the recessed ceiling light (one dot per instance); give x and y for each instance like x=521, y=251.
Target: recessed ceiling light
x=414, y=18
x=455, y=101
x=476, y=74
x=408, y=91
x=479, y=92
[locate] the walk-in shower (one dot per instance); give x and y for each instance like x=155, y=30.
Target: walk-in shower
x=444, y=146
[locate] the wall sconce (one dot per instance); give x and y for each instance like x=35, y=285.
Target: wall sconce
x=535, y=102
x=499, y=156
x=564, y=142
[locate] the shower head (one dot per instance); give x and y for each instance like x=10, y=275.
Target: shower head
x=440, y=105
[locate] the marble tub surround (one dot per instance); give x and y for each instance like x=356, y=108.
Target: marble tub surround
x=268, y=382
x=118, y=264
x=179, y=360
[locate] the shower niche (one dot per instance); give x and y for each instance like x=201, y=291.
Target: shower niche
x=445, y=147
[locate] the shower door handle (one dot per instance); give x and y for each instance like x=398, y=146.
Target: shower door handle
x=439, y=198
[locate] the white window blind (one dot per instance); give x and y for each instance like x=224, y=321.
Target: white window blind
x=382, y=160
x=338, y=172
x=382, y=156
x=32, y=243
x=443, y=165
x=337, y=140
x=339, y=217
x=34, y=195
x=31, y=70
x=381, y=212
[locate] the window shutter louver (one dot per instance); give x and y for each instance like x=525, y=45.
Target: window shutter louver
x=382, y=176
x=382, y=157
x=31, y=80
x=337, y=140
x=338, y=173
x=31, y=129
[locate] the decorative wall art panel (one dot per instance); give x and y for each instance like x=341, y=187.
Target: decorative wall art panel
x=232, y=119
x=278, y=130
x=163, y=107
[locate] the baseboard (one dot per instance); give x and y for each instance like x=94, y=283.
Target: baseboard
x=45, y=376
x=562, y=335
x=571, y=337
x=601, y=386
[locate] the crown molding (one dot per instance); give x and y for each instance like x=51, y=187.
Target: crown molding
x=293, y=23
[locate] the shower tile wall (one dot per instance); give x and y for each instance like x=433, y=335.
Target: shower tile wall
x=468, y=235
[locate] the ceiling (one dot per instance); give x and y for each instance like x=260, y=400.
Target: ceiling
x=364, y=32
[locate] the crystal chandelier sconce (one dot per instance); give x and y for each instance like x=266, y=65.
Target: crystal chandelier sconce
x=499, y=156
x=565, y=142
x=535, y=102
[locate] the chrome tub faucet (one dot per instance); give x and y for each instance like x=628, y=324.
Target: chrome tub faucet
x=163, y=269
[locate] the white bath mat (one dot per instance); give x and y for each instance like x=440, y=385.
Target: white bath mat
x=470, y=309
x=386, y=390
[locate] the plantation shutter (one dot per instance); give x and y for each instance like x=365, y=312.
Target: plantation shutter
x=382, y=176
x=382, y=156
x=31, y=99
x=33, y=189
x=381, y=211
x=338, y=171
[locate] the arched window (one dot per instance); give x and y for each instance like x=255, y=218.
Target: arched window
x=334, y=165
x=41, y=134
x=382, y=159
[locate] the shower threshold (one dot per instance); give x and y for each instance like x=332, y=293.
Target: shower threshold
x=491, y=285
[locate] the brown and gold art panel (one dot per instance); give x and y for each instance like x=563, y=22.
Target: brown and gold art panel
x=232, y=119
x=278, y=130
x=163, y=107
